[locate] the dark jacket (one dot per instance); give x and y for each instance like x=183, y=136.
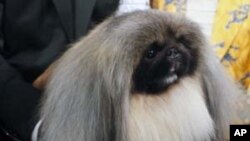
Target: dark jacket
x=33, y=34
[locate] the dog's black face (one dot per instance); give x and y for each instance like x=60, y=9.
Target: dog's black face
x=163, y=64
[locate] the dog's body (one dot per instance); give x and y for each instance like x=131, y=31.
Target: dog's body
x=142, y=76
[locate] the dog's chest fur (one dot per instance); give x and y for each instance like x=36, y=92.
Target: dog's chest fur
x=180, y=114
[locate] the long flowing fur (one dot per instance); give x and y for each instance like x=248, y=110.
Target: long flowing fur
x=221, y=93
x=89, y=95
x=177, y=115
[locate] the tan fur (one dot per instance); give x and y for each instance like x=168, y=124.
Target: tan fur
x=170, y=116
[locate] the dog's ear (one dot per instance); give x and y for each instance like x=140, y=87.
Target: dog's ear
x=221, y=92
x=84, y=99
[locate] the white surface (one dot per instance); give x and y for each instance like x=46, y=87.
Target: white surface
x=132, y=5
x=202, y=12
x=36, y=131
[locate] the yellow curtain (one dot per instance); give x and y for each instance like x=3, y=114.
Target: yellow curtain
x=231, y=35
x=176, y=6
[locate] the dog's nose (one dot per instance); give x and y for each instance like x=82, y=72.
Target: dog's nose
x=173, y=53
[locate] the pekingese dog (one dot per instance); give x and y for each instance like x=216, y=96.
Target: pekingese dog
x=141, y=76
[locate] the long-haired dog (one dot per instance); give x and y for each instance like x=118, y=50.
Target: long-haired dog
x=141, y=76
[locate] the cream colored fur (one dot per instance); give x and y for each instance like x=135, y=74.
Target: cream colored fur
x=180, y=114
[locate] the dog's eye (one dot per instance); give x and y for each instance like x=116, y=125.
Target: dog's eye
x=153, y=50
x=151, y=53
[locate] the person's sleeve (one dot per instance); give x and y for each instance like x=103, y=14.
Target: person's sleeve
x=104, y=9
x=18, y=99
x=18, y=103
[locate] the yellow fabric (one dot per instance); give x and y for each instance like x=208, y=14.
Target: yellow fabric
x=176, y=6
x=230, y=35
